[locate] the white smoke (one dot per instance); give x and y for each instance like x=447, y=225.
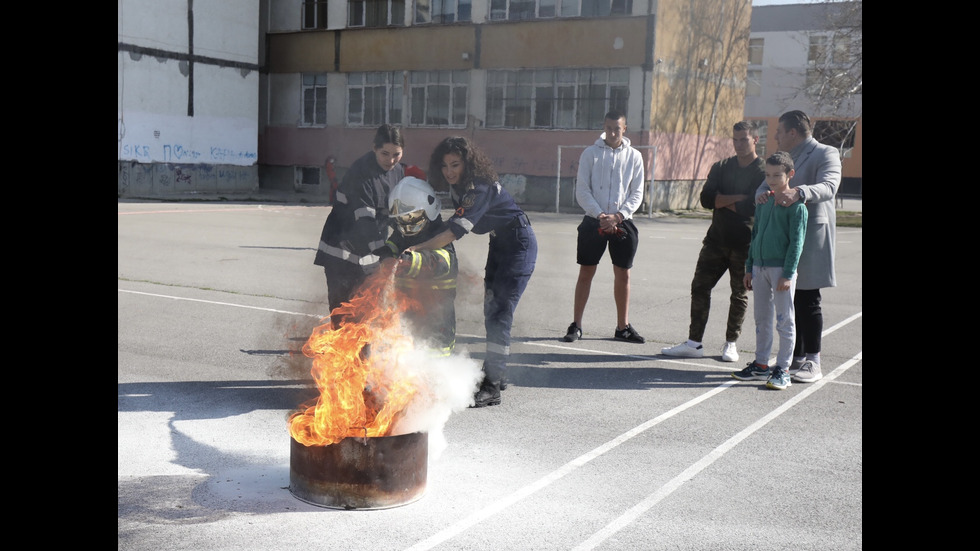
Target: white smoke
x=446, y=386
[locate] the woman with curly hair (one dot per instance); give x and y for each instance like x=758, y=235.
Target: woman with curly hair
x=484, y=206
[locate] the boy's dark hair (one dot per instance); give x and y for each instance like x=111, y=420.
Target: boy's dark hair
x=797, y=120
x=388, y=133
x=749, y=127
x=783, y=159
x=615, y=115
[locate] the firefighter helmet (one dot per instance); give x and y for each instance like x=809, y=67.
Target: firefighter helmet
x=413, y=203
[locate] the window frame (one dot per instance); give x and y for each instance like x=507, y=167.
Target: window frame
x=423, y=85
x=756, y=50
x=423, y=12
x=308, y=175
x=824, y=129
x=818, y=50
x=311, y=92
x=521, y=98
x=367, y=13
x=318, y=17
x=369, y=83
x=503, y=10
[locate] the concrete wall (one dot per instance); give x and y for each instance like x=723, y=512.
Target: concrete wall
x=187, y=95
x=171, y=180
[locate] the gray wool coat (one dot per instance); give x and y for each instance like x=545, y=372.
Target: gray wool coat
x=818, y=171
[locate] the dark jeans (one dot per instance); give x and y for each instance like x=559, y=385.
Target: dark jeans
x=809, y=321
x=713, y=262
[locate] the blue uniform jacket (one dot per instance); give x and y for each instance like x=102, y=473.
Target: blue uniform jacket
x=483, y=207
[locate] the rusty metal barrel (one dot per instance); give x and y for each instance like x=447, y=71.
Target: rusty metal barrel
x=360, y=473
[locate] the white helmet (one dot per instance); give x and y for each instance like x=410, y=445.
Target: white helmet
x=412, y=204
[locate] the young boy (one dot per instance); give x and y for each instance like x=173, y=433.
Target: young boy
x=770, y=273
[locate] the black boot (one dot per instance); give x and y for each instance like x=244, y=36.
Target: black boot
x=488, y=394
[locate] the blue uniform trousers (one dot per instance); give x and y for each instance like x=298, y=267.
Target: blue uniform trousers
x=510, y=262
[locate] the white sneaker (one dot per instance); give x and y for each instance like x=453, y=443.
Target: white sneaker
x=795, y=366
x=729, y=353
x=683, y=350
x=809, y=372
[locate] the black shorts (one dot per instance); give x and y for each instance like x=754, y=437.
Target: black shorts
x=592, y=245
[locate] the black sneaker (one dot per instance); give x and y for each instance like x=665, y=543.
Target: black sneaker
x=574, y=333
x=628, y=334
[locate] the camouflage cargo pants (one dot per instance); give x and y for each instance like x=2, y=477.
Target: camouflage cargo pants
x=713, y=262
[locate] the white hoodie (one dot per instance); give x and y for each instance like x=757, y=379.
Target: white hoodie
x=610, y=180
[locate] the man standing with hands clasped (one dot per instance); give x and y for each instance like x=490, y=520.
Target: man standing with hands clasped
x=609, y=187
x=818, y=170
x=730, y=194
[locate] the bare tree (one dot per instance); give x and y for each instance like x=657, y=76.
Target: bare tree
x=703, y=93
x=834, y=78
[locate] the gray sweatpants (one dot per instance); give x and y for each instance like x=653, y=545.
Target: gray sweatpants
x=766, y=302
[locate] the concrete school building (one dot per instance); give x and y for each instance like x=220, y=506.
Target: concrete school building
x=788, y=45
x=188, y=97
x=219, y=97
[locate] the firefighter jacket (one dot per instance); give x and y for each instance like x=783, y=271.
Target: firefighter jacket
x=428, y=280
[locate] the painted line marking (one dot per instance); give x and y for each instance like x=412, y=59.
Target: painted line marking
x=642, y=507
x=223, y=304
x=634, y=512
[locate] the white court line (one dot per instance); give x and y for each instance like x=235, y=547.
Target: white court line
x=222, y=303
x=661, y=493
x=565, y=469
x=642, y=507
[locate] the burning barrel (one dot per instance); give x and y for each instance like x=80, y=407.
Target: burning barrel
x=360, y=473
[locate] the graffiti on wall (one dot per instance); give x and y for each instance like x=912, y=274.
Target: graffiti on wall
x=154, y=138
x=166, y=179
x=177, y=153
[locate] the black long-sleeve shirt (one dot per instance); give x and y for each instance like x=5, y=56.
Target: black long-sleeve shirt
x=732, y=228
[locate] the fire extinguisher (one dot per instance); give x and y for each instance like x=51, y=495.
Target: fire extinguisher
x=332, y=176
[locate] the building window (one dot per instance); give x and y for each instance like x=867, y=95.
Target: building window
x=375, y=98
x=554, y=98
x=755, y=50
x=753, y=82
x=762, y=126
x=442, y=11
x=818, y=54
x=516, y=10
x=307, y=175
x=375, y=13
x=437, y=98
x=314, y=14
x=842, y=50
x=814, y=80
x=314, y=99
x=838, y=134
x=546, y=9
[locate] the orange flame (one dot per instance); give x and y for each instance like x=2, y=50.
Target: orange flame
x=363, y=387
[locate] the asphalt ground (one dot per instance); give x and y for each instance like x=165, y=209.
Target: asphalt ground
x=598, y=444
